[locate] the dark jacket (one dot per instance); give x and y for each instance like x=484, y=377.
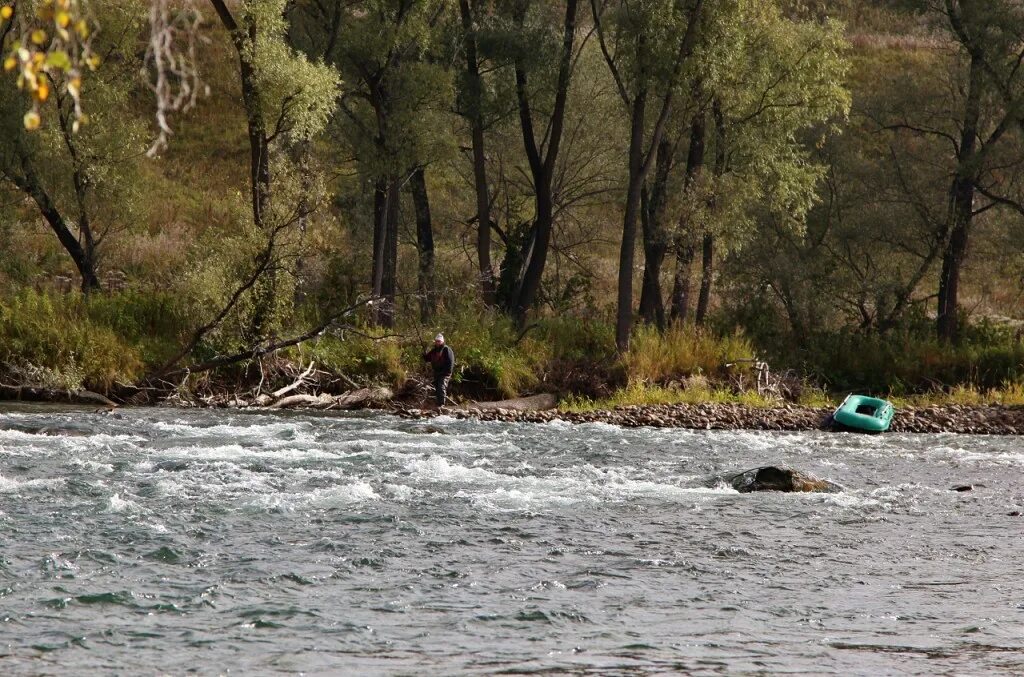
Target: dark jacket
x=442, y=359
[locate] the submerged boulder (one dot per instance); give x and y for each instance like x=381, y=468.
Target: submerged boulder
x=775, y=478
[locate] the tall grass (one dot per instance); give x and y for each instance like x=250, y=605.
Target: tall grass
x=683, y=350
x=637, y=394
x=905, y=364
x=56, y=339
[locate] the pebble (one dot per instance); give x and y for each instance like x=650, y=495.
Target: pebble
x=980, y=420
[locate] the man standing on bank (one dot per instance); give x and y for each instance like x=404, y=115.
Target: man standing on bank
x=442, y=359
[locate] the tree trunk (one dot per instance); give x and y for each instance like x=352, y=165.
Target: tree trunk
x=681, y=283
x=380, y=209
x=685, y=244
x=84, y=258
x=706, y=275
x=389, y=281
x=947, y=323
x=707, y=272
x=961, y=209
x=475, y=115
x=542, y=165
x=424, y=244
x=624, y=308
x=652, y=306
x=259, y=146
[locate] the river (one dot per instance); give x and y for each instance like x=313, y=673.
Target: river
x=162, y=541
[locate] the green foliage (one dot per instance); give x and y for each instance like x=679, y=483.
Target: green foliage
x=365, y=357
x=905, y=363
x=489, y=360
x=58, y=337
x=578, y=339
x=298, y=96
x=681, y=351
x=653, y=395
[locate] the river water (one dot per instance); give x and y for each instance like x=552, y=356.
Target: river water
x=157, y=541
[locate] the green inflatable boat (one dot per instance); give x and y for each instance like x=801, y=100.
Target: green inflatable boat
x=864, y=414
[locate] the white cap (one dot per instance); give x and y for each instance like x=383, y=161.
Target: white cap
x=439, y=337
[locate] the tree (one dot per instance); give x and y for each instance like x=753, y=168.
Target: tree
x=472, y=108
x=988, y=37
x=526, y=255
x=651, y=43
x=392, y=115
x=79, y=177
x=784, y=84
x=287, y=99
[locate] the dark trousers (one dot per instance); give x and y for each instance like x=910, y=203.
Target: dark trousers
x=440, y=388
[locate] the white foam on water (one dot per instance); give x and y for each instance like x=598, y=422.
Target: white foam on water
x=92, y=466
x=256, y=427
x=343, y=495
x=439, y=469
x=9, y=485
x=972, y=456
x=515, y=500
x=417, y=442
x=237, y=452
x=20, y=436
x=116, y=504
x=400, y=492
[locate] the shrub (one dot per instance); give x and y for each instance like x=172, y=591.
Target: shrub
x=681, y=351
x=57, y=336
x=366, y=357
x=903, y=364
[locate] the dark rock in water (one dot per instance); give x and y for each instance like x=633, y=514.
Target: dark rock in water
x=430, y=430
x=171, y=466
x=773, y=478
x=1014, y=513
x=963, y=487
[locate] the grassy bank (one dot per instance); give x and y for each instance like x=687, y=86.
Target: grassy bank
x=67, y=341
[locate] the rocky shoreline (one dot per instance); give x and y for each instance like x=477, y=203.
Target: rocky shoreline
x=953, y=418
x=990, y=419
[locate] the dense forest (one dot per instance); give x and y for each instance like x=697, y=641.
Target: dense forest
x=643, y=200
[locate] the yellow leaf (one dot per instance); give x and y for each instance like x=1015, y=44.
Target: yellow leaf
x=39, y=36
x=31, y=120
x=6, y=12
x=42, y=91
x=63, y=19
x=10, y=63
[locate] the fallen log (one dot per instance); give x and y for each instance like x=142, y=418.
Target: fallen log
x=307, y=401
x=37, y=394
x=540, y=402
x=357, y=399
x=362, y=398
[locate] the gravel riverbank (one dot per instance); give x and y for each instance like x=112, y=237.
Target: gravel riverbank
x=984, y=420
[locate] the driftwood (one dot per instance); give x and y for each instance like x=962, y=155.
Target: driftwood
x=540, y=402
x=357, y=399
x=34, y=394
x=308, y=401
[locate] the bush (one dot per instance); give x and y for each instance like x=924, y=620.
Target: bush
x=55, y=338
x=366, y=357
x=681, y=351
x=903, y=364
x=492, y=358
